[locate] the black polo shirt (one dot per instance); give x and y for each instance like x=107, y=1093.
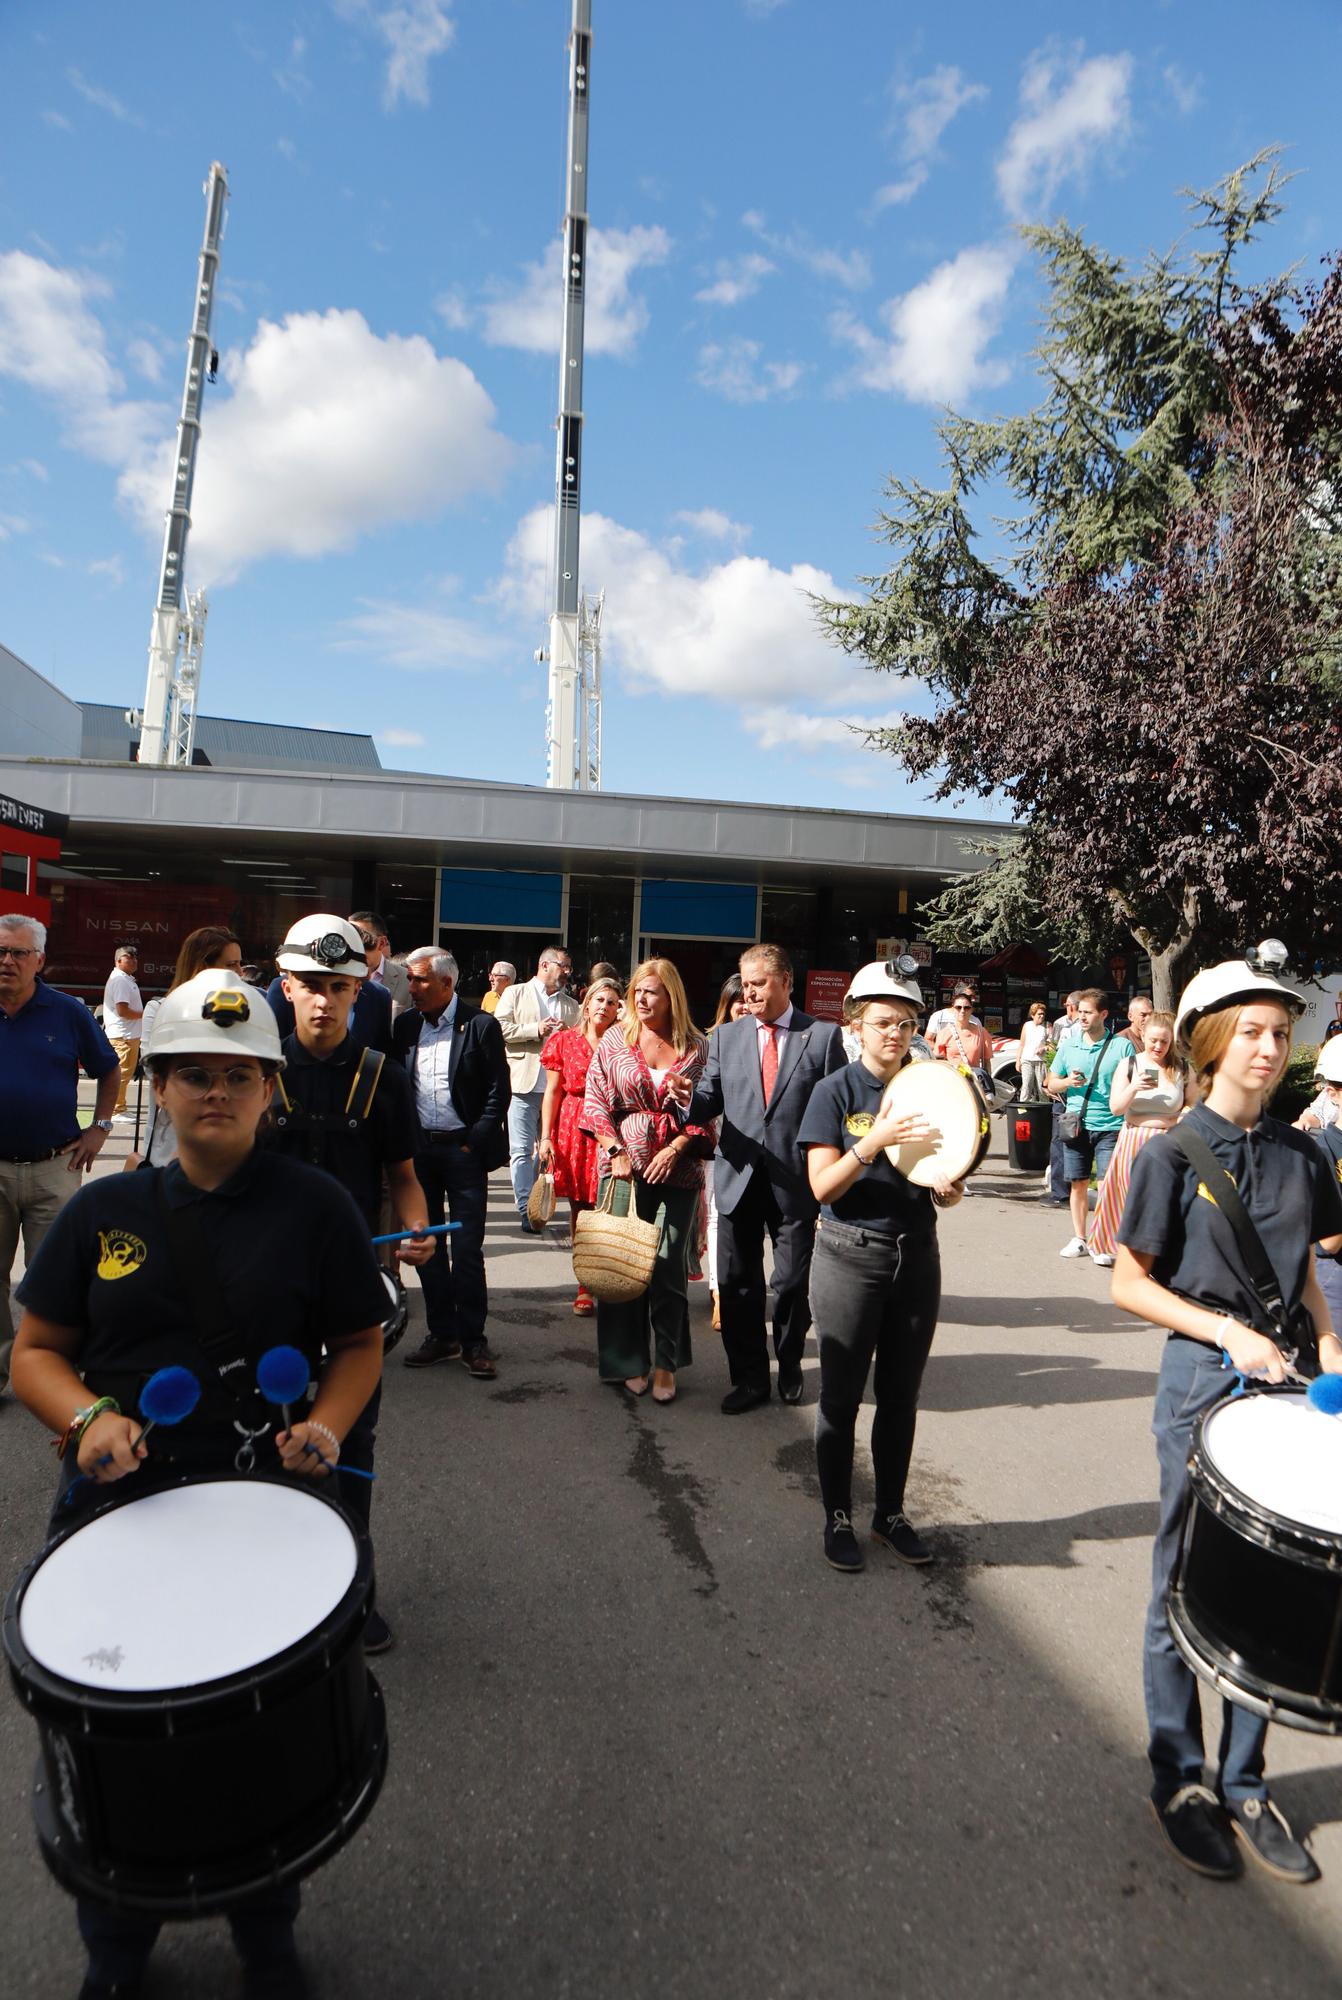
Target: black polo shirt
x=290, y=1258
x=842, y=1109
x=1286, y=1185
x=353, y=1149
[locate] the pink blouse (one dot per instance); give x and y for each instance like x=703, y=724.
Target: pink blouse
x=623, y=1102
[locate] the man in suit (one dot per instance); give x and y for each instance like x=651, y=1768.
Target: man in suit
x=528, y=1014
x=760, y=1074
x=454, y=1054
x=382, y=967
x=332, y=945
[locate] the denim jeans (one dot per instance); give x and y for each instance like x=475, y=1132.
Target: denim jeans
x=524, y=1129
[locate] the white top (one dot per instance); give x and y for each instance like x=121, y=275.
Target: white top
x=659, y=1076
x=1160, y=1100
x=430, y=1066
x=944, y=1017
x=121, y=986
x=1033, y=1037
x=549, y=1002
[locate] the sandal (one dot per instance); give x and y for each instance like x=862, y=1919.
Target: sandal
x=584, y=1305
x=663, y=1386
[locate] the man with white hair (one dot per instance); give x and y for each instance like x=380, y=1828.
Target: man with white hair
x=454, y=1053
x=502, y=975
x=46, y=1038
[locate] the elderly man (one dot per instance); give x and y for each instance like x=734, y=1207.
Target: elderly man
x=383, y=970
x=501, y=977
x=455, y=1057
x=46, y=1038
x=527, y=1016
x=1140, y=1011
x=123, y=1014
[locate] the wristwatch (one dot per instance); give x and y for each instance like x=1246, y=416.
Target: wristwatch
x=102, y=1124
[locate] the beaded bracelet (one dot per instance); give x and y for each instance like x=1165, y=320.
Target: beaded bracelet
x=335, y=1441
x=80, y=1422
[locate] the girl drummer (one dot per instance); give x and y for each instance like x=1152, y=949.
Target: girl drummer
x=876, y=1270
x=1179, y=1266
x=107, y=1303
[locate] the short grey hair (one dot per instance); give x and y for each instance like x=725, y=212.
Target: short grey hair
x=442, y=964
x=16, y=922
x=553, y=953
x=502, y=965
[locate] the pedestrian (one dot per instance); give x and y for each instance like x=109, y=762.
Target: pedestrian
x=527, y=1015
x=945, y=1017
x=1329, y=1141
x=123, y=1014
x=454, y=1053
x=1139, y=1013
x=760, y=1074
x=334, y=943
x=501, y=977
x=1335, y=1025
x=1067, y=1021
x=383, y=969
x=348, y=1111
x=876, y=1273
x=1055, y=1184
x=655, y=1157
x=566, y=1150
x=730, y=1008
x=1033, y=1055
x=1080, y=1078
x=212, y=946
x=46, y=1039
x=105, y=1306
x=1179, y=1267
x=1150, y=1091
x=961, y=1042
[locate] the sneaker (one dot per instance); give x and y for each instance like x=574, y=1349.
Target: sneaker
x=378, y=1636
x=1263, y=1829
x=430, y=1350
x=896, y=1533
x=1102, y=1258
x=841, y=1549
x=1195, y=1825
x=1076, y=1248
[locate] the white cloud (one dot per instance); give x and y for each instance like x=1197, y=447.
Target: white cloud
x=530, y=317
x=849, y=268
x=292, y=77
x=330, y=432
x=1070, y=108
x=145, y=359
x=923, y=110
x=401, y=739
x=408, y=635
x=710, y=524
x=932, y=351
x=414, y=32
x=111, y=567
x=59, y=120
x=11, y=525
x=103, y=100
x=737, y=278
x=777, y=728
x=1185, y=90
x=51, y=340
x=733, y=368
x=286, y=149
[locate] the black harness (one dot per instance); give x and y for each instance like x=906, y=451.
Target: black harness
x=318, y=1129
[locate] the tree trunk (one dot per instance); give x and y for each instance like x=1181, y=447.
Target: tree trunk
x=1171, y=971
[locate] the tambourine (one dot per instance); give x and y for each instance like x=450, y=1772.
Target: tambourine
x=958, y=1124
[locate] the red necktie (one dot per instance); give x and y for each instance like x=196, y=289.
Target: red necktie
x=769, y=1062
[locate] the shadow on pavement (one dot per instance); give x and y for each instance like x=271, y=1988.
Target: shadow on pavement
x=1027, y=1381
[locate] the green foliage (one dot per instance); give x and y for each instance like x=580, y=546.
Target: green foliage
x=1296, y=1088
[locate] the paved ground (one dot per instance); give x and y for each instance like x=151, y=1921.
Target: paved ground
x=644, y=1742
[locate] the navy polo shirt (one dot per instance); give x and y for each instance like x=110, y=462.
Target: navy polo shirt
x=1285, y=1183
x=352, y=1150
x=841, y=1110
x=42, y=1050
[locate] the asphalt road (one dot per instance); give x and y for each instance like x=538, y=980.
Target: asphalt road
x=645, y=1742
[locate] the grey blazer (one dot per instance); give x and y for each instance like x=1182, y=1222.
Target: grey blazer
x=753, y=1137
x=398, y=985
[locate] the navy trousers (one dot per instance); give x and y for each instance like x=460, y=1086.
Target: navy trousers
x=456, y=1300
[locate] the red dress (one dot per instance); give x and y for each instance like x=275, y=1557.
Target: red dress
x=577, y=1154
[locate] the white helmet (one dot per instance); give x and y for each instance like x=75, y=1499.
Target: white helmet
x=323, y=944
x=216, y=1014
x=886, y=979
x=1329, y=1065
x=1236, y=979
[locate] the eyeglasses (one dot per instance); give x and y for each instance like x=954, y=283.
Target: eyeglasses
x=17, y=951
x=200, y=1082
x=961, y=1007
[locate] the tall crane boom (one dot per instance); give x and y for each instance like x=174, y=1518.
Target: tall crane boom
x=567, y=768
x=168, y=722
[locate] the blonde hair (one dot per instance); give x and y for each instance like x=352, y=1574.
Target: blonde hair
x=1038, y=1011
x=1211, y=1035
x=601, y=986
x=683, y=1031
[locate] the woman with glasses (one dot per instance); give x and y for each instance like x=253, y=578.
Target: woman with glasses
x=208, y=948
x=961, y=1042
x=107, y=1302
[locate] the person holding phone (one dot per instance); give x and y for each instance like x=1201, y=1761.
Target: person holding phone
x=1150, y=1091
x=1081, y=1076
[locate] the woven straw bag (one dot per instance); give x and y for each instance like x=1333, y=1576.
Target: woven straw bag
x=613, y=1255
x=541, y=1201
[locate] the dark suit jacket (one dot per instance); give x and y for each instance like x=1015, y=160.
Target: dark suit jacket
x=478, y=1076
x=372, y=1014
x=756, y=1138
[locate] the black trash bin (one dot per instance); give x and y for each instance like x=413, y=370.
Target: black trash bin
x=1029, y=1135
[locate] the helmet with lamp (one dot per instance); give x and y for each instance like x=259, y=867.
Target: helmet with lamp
x=215, y=1014
x=887, y=979
x=1256, y=976
x=323, y=943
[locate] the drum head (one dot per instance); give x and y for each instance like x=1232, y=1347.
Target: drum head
x=1281, y=1453
x=959, y=1129
x=188, y=1586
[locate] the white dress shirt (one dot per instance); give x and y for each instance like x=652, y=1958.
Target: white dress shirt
x=432, y=1070
x=549, y=1002
x=782, y=1024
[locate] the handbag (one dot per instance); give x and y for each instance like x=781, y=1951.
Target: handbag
x=613, y=1255
x=541, y=1201
x=1072, y=1124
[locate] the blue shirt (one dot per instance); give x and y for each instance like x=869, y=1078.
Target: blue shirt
x=42, y=1050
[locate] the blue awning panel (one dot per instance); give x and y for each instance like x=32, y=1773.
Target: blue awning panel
x=699, y=909
x=500, y=899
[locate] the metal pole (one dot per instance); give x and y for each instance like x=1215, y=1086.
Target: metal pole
x=566, y=769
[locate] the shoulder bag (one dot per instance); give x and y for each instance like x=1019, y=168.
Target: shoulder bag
x=613, y=1255
x=1073, y=1123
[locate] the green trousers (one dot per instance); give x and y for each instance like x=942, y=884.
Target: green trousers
x=653, y=1331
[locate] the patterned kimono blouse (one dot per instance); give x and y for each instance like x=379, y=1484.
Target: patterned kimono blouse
x=624, y=1102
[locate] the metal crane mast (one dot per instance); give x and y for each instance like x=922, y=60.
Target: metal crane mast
x=573, y=714
x=177, y=634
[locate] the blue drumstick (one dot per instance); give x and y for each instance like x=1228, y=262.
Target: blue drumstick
x=282, y=1377
x=403, y=1235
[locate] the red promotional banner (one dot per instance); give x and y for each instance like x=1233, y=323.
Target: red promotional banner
x=824, y=994
x=90, y=919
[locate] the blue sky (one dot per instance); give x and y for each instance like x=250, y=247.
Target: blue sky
x=805, y=221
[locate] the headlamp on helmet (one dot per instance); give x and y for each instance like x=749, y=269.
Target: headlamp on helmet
x=226, y=1007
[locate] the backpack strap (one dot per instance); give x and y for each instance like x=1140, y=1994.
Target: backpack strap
x=1223, y=1194
x=363, y=1089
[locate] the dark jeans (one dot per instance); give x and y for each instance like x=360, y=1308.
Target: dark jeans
x=742, y=1295
x=456, y=1300
x=655, y=1327
x=1057, y=1178
x=119, y=1942
x=356, y=1495
x=871, y=1296
x=1191, y=1380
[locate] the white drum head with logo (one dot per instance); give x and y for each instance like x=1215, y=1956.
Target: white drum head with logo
x=1282, y=1453
x=188, y=1586
x=956, y=1115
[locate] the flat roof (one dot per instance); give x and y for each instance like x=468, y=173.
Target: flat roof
x=454, y=821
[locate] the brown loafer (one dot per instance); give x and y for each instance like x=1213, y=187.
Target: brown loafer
x=477, y=1363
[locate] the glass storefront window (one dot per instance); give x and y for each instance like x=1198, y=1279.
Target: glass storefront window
x=600, y=922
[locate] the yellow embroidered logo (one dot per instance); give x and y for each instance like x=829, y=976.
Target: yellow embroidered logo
x=858, y=1122
x=1207, y=1194
x=120, y=1253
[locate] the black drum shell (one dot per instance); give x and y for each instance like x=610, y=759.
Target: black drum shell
x=182, y=1802
x=1256, y=1602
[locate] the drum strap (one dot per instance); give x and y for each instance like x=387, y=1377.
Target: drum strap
x=1225, y=1196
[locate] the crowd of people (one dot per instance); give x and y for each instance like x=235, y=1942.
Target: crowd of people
x=361, y=1096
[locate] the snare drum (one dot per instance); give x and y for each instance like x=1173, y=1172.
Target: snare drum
x=194, y=1662
x=1256, y=1602
x=398, y=1311
x=959, y=1127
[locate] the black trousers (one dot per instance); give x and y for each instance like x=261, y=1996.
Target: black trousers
x=742, y=1297
x=119, y=1942
x=456, y=1299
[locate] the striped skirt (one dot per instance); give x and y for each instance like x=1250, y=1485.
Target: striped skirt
x=1114, y=1187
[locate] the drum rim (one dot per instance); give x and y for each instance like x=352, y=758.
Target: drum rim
x=985, y=1121
x=1272, y=1528
x=1235, y=1681
x=34, y=1682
